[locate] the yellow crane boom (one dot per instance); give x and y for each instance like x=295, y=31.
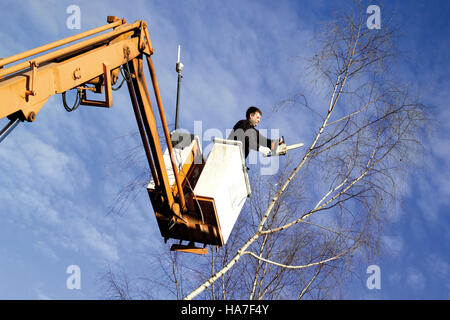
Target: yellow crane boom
x=91, y=62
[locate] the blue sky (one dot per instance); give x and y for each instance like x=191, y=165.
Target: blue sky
x=60, y=175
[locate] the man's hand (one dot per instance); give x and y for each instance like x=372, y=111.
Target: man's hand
x=277, y=142
x=264, y=150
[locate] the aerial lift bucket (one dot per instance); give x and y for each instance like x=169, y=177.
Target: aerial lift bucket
x=215, y=192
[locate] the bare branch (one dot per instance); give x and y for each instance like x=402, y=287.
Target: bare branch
x=300, y=266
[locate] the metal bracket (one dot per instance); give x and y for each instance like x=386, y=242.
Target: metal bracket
x=108, y=91
x=145, y=47
x=32, y=89
x=190, y=248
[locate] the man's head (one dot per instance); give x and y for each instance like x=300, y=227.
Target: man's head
x=253, y=115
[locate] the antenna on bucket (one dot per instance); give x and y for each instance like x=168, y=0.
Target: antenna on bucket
x=179, y=68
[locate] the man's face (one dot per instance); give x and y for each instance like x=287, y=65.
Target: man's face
x=255, y=118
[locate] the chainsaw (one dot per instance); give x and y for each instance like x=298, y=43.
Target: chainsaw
x=281, y=148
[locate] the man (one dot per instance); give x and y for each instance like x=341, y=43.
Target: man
x=244, y=131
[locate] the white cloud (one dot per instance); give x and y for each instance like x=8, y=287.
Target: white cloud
x=393, y=244
x=415, y=279
x=395, y=278
x=45, y=248
x=438, y=267
x=41, y=295
x=101, y=242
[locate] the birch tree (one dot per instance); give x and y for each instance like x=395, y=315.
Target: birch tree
x=305, y=239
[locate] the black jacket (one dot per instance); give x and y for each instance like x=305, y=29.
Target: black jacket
x=249, y=136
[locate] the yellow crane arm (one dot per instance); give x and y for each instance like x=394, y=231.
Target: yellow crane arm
x=90, y=61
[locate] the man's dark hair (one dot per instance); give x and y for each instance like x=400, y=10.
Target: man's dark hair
x=251, y=110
